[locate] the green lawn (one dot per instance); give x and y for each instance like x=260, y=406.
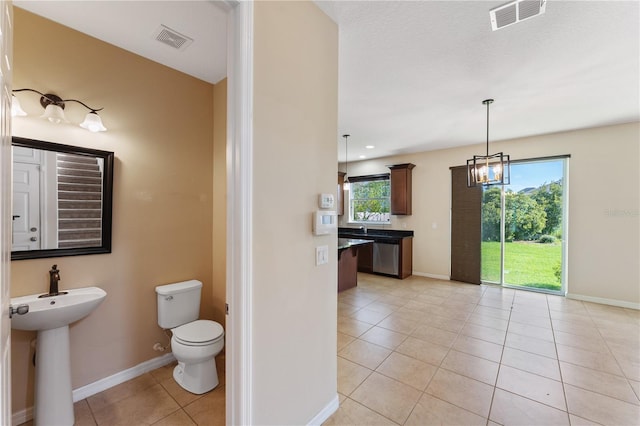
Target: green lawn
x=525, y=263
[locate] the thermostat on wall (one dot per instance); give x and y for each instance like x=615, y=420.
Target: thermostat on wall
x=325, y=201
x=324, y=222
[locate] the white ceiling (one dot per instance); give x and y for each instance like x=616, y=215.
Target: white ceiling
x=413, y=74
x=131, y=25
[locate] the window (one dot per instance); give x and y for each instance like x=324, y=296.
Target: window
x=370, y=199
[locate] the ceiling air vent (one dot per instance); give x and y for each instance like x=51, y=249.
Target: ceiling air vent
x=515, y=11
x=172, y=38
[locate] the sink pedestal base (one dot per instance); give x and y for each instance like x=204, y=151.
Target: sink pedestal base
x=53, y=397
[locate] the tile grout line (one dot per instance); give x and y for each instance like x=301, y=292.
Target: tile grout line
x=374, y=370
x=438, y=367
x=555, y=346
x=504, y=342
x=624, y=375
x=422, y=392
x=554, y=331
x=468, y=320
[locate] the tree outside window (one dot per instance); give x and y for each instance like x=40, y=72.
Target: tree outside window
x=529, y=214
x=370, y=200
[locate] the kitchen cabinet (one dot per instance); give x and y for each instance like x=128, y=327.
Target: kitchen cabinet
x=405, y=260
x=348, y=255
x=365, y=259
x=391, y=253
x=401, y=188
x=387, y=258
x=340, y=196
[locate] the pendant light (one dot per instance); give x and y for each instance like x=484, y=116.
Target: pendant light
x=346, y=185
x=488, y=169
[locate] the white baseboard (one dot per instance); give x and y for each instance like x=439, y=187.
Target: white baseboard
x=103, y=384
x=22, y=416
x=434, y=276
x=121, y=377
x=326, y=412
x=603, y=301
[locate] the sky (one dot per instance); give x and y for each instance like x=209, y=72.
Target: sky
x=534, y=174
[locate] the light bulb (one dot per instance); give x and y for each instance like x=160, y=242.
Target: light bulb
x=93, y=123
x=54, y=113
x=16, y=108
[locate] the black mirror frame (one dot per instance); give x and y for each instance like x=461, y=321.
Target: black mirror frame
x=107, y=204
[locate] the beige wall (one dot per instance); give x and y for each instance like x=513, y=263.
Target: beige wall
x=161, y=129
x=604, y=231
x=294, y=159
x=219, y=215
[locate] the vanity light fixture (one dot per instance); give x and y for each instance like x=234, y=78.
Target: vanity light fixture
x=346, y=185
x=488, y=169
x=54, y=110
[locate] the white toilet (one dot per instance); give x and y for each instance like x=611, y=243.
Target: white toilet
x=194, y=343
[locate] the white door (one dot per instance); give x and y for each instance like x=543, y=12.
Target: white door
x=26, y=207
x=5, y=209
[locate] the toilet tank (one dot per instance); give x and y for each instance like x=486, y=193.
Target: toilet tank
x=178, y=303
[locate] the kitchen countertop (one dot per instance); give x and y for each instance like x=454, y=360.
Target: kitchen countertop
x=381, y=235
x=345, y=243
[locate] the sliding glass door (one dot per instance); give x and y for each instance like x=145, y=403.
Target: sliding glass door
x=524, y=227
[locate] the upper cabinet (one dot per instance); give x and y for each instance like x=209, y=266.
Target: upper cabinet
x=340, y=197
x=401, y=188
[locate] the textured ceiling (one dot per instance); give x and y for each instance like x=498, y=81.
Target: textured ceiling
x=413, y=74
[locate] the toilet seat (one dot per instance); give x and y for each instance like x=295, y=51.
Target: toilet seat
x=198, y=333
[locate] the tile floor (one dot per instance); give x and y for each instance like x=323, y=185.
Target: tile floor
x=153, y=399
x=422, y=351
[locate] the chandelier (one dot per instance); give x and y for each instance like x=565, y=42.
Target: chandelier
x=488, y=169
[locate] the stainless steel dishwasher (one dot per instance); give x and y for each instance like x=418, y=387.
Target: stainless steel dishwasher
x=385, y=257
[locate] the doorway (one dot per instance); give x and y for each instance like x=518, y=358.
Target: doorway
x=524, y=227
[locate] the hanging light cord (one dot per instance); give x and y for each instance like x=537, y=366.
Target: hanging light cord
x=487, y=102
x=58, y=101
x=346, y=158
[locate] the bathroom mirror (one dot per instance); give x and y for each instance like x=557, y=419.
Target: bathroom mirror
x=62, y=198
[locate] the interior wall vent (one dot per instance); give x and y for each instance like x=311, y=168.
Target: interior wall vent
x=172, y=38
x=515, y=11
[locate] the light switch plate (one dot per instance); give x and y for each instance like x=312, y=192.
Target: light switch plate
x=322, y=255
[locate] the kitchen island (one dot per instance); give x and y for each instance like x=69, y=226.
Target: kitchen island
x=348, y=261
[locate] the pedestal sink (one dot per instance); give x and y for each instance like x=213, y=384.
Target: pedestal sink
x=50, y=317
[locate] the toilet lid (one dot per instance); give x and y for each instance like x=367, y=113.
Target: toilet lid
x=199, y=331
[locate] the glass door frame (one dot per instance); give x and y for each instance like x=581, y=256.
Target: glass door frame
x=565, y=230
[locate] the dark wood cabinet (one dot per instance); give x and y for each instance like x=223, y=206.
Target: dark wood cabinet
x=405, y=259
x=365, y=259
x=340, y=195
x=347, y=268
x=401, y=188
x=405, y=263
